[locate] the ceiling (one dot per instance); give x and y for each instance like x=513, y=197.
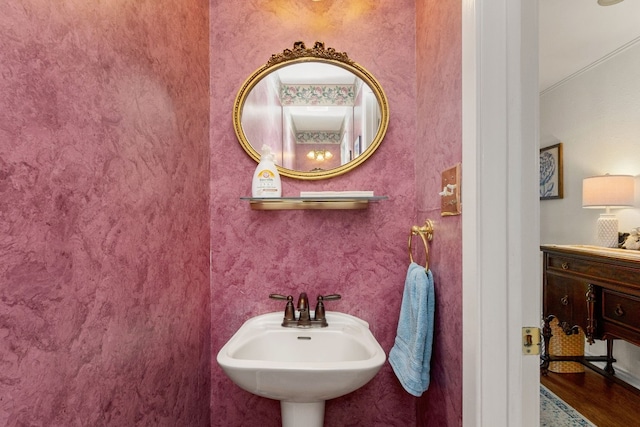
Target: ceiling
x=574, y=34
x=317, y=119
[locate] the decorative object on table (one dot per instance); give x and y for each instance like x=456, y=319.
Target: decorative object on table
x=622, y=237
x=608, y=192
x=633, y=240
x=551, y=183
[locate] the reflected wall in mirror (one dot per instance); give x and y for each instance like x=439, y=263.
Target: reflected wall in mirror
x=321, y=113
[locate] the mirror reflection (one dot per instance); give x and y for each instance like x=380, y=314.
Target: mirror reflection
x=321, y=116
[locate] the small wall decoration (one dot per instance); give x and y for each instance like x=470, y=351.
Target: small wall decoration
x=551, y=172
x=356, y=146
x=450, y=194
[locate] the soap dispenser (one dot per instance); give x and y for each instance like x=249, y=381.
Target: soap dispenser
x=266, y=179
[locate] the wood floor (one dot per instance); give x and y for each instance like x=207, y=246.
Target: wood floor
x=600, y=400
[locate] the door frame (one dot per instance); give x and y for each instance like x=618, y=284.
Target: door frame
x=501, y=220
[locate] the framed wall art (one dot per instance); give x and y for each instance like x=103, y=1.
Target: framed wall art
x=356, y=146
x=551, y=186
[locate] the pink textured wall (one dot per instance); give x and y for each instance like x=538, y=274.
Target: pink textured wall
x=439, y=71
x=359, y=254
x=104, y=281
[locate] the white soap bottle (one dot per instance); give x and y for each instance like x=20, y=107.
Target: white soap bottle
x=266, y=179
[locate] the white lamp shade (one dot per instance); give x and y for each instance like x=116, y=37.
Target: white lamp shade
x=608, y=191
x=604, y=192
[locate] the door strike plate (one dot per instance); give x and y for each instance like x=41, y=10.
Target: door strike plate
x=530, y=340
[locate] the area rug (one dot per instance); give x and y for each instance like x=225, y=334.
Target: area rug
x=554, y=412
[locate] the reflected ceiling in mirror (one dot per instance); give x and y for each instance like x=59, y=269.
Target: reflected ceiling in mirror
x=321, y=113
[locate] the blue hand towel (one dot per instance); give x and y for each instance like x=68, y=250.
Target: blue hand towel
x=410, y=355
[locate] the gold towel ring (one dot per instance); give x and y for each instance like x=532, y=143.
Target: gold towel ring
x=426, y=233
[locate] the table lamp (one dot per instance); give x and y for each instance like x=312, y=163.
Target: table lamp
x=608, y=192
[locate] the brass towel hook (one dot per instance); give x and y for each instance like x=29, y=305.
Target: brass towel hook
x=426, y=234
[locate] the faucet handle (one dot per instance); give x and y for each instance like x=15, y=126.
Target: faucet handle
x=280, y=296
x=289, y=312
x=319, y=313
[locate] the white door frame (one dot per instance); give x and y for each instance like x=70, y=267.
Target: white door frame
x=501, y=269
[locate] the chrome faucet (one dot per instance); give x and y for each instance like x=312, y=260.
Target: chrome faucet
x=304, y=318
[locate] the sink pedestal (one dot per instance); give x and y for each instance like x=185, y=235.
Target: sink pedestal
x=307, y=414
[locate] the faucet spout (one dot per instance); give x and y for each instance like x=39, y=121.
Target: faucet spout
x=303, y=301
x=303, y=308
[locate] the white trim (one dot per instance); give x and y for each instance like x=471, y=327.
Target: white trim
x=471, y=401
x=592, y=65
x=501, y=218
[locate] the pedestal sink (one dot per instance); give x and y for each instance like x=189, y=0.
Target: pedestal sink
x=302, y=367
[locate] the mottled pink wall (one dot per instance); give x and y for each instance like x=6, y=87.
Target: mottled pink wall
x=359, y=254
x=104, y=281
x=439, y=146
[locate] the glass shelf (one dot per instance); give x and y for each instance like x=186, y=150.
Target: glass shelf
x=303, y=203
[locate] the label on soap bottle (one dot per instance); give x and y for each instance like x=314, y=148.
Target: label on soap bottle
x=266, y=184
x=267, y=181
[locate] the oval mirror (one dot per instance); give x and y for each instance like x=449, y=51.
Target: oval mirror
x=321, y=113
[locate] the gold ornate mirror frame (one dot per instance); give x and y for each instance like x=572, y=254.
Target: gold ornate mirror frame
x=301, y=54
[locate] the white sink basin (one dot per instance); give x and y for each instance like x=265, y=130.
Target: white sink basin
x=302, y=365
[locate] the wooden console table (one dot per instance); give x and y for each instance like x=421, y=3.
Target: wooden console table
x=596, y=289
